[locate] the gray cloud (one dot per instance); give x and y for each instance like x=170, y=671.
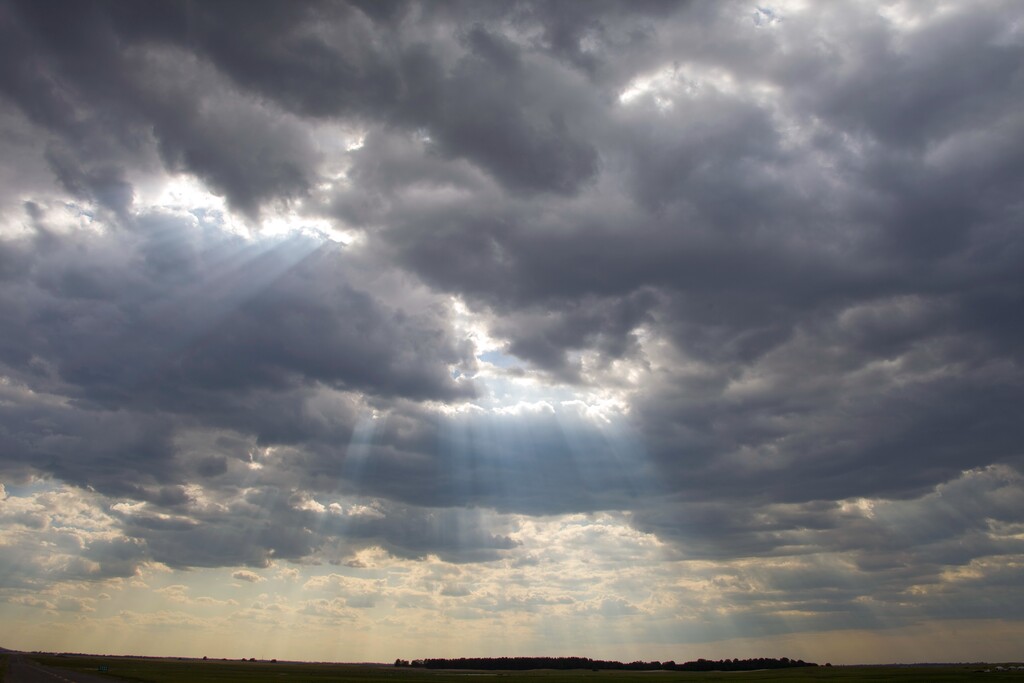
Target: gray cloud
x=787, y=242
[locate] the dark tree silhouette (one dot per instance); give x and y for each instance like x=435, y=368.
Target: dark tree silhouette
x=525, y=663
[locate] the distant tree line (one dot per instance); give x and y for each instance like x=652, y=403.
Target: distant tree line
x=737, y=664
x=524, y=663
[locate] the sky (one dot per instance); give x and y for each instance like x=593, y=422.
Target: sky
x=629, y=330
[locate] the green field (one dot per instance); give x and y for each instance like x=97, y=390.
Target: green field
x=195, y=671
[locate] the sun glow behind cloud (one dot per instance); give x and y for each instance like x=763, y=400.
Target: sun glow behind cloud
x=510, y=386
x=188, y=194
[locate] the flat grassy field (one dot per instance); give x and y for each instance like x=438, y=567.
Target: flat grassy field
x=216, y=671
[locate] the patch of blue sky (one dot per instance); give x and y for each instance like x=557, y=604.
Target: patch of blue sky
x=499, y=359
x=33, y=487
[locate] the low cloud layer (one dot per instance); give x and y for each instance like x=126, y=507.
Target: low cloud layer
x=292, y=283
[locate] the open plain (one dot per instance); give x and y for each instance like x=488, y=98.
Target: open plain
x=86, y=669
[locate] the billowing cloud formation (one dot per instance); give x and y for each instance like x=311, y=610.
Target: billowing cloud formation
x=298, y=282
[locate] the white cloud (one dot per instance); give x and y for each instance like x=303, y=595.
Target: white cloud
x=247, y=576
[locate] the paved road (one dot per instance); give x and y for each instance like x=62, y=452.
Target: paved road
x=21, y=669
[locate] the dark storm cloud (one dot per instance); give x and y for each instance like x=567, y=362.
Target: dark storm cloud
x=792, y=239
x=271, y=524
x=173, y=324
x=174, y=307
x=605, y=325
x=864, y=564
x=540, y=461
x=109, y=96
x=99, y=70
x=949, y=526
